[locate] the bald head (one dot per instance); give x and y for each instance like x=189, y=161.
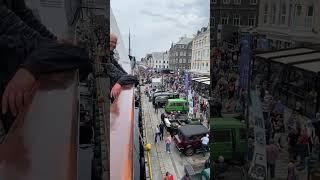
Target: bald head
x=113, y=41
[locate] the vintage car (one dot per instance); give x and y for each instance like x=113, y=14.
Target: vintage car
x=188, y=139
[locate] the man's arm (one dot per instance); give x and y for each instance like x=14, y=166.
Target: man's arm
x=51, y=57
x=20, y=9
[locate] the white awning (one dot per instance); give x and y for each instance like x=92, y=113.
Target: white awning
x=284, y=53
x=311, y=66
x=298, y=58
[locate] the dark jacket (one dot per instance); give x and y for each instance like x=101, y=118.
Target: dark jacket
x=34, y=49
x=118, y=75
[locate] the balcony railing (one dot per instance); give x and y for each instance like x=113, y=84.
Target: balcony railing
x=49, y=129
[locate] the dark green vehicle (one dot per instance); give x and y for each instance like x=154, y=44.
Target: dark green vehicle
x=229, y=138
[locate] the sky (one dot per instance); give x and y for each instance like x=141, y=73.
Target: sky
x=155, y=24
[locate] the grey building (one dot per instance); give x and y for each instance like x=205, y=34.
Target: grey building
x=228, y=16
x=180, y=54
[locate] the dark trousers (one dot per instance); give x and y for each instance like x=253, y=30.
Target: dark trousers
x=272, y=168
x=161, y=135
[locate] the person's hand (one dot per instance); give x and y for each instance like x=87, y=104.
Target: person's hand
x=115, y=91
x=18, y=91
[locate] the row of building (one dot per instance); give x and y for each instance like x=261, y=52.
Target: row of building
x=284, y=23
x=192, y=54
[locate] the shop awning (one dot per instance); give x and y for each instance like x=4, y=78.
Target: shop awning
x=314, y=56
x=281, y=53
x=311, y=66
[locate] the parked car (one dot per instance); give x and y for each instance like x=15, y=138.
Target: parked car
x=188, y=139
x=171, y=95
x=161, y=100
x=172, y=125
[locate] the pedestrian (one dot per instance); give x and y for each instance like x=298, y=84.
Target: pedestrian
x=161, y=128
x=291, y=172
x=272, y=155
x=292, y=142
x=156, y=107
x=204, y=143
x=302, y=145
x=168, y=176
x=168, y=141
x=157, y=133
x=162, y=116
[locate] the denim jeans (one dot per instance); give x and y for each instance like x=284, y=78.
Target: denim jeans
x=168, y=147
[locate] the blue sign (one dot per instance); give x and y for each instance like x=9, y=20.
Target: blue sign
x=186, y=82
x=245, y=60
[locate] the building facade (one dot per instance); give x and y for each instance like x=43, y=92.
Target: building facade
x=289, y=23
x=160, y=60
x=200, y=59
x=180, y=54
x=227, y=16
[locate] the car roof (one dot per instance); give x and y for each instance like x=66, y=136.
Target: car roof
x=191, y=130
x=227, y=122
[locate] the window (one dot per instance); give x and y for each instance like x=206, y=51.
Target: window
x=212, y=21
x=214, y=1
x=283, y=13
x=298, y=10
x=309, y=18
x=310, y=11
x=252, y=20
x=226, y=1
x=273, y=14
x=237, y=1
x=222, y=136
x=224, y=20
x=265, y=14
x=253, y=2
x=236, y=20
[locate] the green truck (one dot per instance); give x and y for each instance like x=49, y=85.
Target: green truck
x=229, y=139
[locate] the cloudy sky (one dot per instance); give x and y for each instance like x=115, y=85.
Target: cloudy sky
x=155, y=24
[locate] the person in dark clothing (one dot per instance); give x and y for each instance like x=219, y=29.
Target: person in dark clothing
x=292, y=141
x=28, y=53
x=162, y=116
x=119, y=78
x=161, y=127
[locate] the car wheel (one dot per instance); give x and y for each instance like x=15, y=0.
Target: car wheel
x=189, y=151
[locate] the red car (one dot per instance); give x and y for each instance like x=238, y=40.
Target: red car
x=188, y=139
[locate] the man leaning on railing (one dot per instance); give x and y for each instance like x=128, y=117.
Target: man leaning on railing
x=28, y=50
x=119, y=78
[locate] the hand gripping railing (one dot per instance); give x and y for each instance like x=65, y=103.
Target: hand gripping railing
x=49, y=129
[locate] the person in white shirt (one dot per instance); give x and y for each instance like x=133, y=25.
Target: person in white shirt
x=205, y=142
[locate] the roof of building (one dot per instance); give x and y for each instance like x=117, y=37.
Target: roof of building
x=184, y=40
